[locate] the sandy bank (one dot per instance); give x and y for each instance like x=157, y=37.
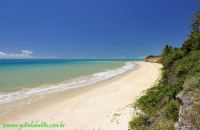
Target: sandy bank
x=104, y=106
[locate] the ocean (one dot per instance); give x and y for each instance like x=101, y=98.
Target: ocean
x=20, y=78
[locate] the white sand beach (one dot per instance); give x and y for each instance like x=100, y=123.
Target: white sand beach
x=103, y=106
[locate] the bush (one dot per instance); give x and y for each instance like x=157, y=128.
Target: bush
x=189, y=65
x=140, y=123
x=192, y=43
x=149, y=102
x=170, y=55
x=171, y=110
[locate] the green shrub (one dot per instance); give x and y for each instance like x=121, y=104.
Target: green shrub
x=140, y=123
x=149, y=102
x=171, y=110
x=170, y=55
x=192, y=43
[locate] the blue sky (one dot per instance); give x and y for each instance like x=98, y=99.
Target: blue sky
x=92, y=28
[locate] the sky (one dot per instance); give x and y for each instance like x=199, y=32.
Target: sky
x=92, y=28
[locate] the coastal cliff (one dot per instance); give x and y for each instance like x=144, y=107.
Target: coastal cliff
x=174, y=102
x=152, y=59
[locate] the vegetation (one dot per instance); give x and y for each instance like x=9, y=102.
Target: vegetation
x=140, y=123
x=181, y=72
x=152, y=58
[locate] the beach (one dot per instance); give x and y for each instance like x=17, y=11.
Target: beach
x=106, y=105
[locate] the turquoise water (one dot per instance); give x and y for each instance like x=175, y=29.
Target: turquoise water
x=17, y=74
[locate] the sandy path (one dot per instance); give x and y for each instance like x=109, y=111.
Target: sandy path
x=102, y=107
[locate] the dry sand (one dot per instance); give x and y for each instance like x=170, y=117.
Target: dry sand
x=103, y=106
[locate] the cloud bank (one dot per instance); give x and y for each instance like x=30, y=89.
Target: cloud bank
x=22, y=54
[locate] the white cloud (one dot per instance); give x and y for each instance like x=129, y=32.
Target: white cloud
x=26, y=52
x=21, y=54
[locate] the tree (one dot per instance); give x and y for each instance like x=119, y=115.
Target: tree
x=196, y=22
x=192, y=43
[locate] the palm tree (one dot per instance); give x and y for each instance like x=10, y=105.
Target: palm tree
x=196, y=22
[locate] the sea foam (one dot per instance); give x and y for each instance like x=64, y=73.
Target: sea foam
x=75, y=83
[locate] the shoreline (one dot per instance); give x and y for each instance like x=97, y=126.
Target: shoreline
x=65, y=85
x=74, y=106
x=45, y=97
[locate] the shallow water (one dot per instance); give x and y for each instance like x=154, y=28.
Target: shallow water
x=21, y=78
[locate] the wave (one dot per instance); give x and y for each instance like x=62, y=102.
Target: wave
x=75, y=83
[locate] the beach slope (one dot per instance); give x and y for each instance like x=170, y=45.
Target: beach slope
x=103, y=106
